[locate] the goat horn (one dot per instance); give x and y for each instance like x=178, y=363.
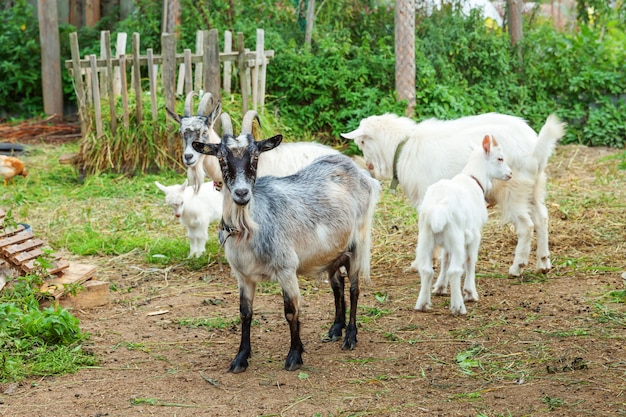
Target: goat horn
x=188, y=103
x=227, y=124
x=204, y=102
x=248, y=119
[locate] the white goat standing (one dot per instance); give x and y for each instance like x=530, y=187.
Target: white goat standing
x=451, y=216
x=194, y=210
x=416, y=155
x=286, y=160
x=316, y=220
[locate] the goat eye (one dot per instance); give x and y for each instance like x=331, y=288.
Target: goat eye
x=500, y=159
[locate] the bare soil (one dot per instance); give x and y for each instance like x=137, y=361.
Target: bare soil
x=531, y=346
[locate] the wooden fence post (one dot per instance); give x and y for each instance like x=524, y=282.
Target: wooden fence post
x=78, y=82
x=124, y=91
x=153, y=85
x=211, y=63
x=168, y=75
x=137, y=81
x=261, y=67
x=96, y=95
x=198, y=79
x=228, y=48
x=244, y=77
x=109, y=81
x=120, y=49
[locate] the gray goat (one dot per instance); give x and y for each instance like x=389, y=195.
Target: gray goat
x=314, y=221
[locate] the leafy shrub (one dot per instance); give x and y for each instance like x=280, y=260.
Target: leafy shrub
x=20, y=64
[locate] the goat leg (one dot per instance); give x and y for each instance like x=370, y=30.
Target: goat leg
x=337, y=283
x=349, y=341
x=294, y=358
x=240, y=363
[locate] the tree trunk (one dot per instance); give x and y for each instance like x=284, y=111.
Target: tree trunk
x=515, y=25
x=405, y=52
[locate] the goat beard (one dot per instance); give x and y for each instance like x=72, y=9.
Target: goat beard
x=239, y=217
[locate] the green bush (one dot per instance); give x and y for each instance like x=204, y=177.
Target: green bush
x=20, y=61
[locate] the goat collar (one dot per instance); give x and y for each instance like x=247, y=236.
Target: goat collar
x=396, y=156
x=479, y=184
x=228, y=231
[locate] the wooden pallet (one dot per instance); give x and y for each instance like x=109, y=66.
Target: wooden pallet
x=19, y=253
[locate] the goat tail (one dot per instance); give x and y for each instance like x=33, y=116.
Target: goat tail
x=551, y=132
x=364, y=231
x=438, y=219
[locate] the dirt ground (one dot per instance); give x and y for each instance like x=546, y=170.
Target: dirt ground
x=531, y=346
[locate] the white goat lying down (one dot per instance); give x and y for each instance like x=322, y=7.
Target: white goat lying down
x=195, y=211
x=416, y=155
x=316, y=220
x=451, y=216
x=286, y=160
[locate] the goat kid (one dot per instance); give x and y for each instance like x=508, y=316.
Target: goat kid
x=415, y=155
x=194, y=211
x=285, y=160
x=314, y=221
x=451, y=216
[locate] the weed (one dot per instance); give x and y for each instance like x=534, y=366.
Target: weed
x=209, y=324
x=553, y=403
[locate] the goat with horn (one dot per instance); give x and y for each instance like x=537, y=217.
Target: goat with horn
x=287, y=159
x=315, y=221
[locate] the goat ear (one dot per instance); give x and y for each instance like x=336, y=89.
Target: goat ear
x=160, y=186
x=205, y=148
x=215, y=113
x=487, y=144
x=173, y=114
x=270, y=143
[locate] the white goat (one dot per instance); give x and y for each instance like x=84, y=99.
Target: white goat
x=416, y=155
x=451, y=216
x=195, y=211
x=316, y=220
x=287, y=159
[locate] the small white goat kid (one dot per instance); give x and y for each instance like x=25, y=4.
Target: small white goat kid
x=195, y=211
x=286, y=160
x=451, y=216
x=417, y=155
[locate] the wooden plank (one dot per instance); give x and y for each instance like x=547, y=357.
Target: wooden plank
x=72, y=275
x=68, y=158
x=28, y=245
x=25, y=256
x=9, y=231
x=17, y=238
x=96, y=293
x=57, y=266
x=178, y=58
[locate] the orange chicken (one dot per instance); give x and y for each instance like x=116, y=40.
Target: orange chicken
x=10, y=166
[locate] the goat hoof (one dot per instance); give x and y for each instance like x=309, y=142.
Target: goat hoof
x=239, y=364
x=334, y=333
x=293, y=361
x=349, y=342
